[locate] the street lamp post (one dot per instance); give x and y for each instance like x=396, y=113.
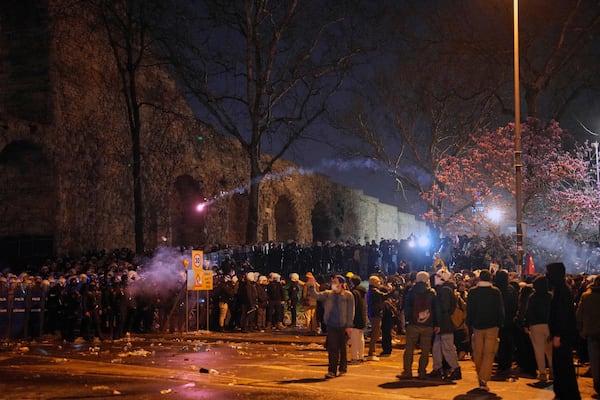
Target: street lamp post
x=595, y=145
x=518, y=152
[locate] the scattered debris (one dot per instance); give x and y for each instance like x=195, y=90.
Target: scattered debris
x=139, y=353
x=209, y=371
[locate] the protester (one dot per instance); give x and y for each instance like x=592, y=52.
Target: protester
x=357, y=335
x=588, y=322
x=506, y=346
x=536, y=325
x=443, y=342
x=338, y=305
x=422, y=313
x=376, y=296
x=563, y=331
x=485, y=316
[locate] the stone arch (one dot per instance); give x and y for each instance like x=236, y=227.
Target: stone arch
x=322, y=223
x=286, y=221
x=238, y=218
x=188, y=225
x=28, y=203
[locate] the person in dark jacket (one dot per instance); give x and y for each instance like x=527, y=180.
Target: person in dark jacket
x=536, y=325
x=357, y=335
x=248, y=300
x=376, y=295
x=563, y=331
x=485, y=316
x=588, y=323
x=422, y=314
x=276, y=295
x=443, y=342
x=506, y=348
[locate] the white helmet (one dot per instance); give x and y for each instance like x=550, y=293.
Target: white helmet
x=441, y=276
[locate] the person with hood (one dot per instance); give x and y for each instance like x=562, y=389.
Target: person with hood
x=338, y=308
x=563, y=331
x=422, y=314
x=506, y=346
x=588, y=323
x=485, y=316
x=357, y=334
x=537, y=315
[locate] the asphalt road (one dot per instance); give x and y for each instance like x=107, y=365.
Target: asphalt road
x=208, y=365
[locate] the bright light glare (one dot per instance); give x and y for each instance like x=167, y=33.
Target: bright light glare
x=200, y=207
x=494, y=214
x=423, y=241
x=411, y=243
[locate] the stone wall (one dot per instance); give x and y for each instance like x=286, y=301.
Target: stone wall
x=65, y=171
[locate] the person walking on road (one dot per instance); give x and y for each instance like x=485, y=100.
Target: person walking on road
x=338, y=305
x=485, y=316
x=563, y=331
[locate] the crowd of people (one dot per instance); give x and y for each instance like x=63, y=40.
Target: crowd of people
x=499, y=319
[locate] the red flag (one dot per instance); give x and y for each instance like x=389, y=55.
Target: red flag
x=529, y=265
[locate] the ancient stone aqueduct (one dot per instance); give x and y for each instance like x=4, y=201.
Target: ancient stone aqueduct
x=65, y=180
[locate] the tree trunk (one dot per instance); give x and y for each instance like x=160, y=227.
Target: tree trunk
x=253, y=200
x=138, y=202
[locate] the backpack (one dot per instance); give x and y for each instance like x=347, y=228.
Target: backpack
x=459, y=315
x=421, y=309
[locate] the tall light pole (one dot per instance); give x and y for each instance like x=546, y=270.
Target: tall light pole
x=518, y=152
x=595, y=145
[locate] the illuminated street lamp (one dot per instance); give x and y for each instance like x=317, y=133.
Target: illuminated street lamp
x=518, y=152
x=494, y=215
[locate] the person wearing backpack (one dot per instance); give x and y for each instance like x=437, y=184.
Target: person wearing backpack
x=422, y=314
x=485, y=316
x=443, y=342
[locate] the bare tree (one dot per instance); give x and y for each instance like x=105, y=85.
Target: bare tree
x=452, y=76
x=129, y=30
x=263, y=72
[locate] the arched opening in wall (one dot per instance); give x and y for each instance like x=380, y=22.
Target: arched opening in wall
x=285, y=220
x=28, y=205
x=322, y=225
x=238, y=218
x=188, y=223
